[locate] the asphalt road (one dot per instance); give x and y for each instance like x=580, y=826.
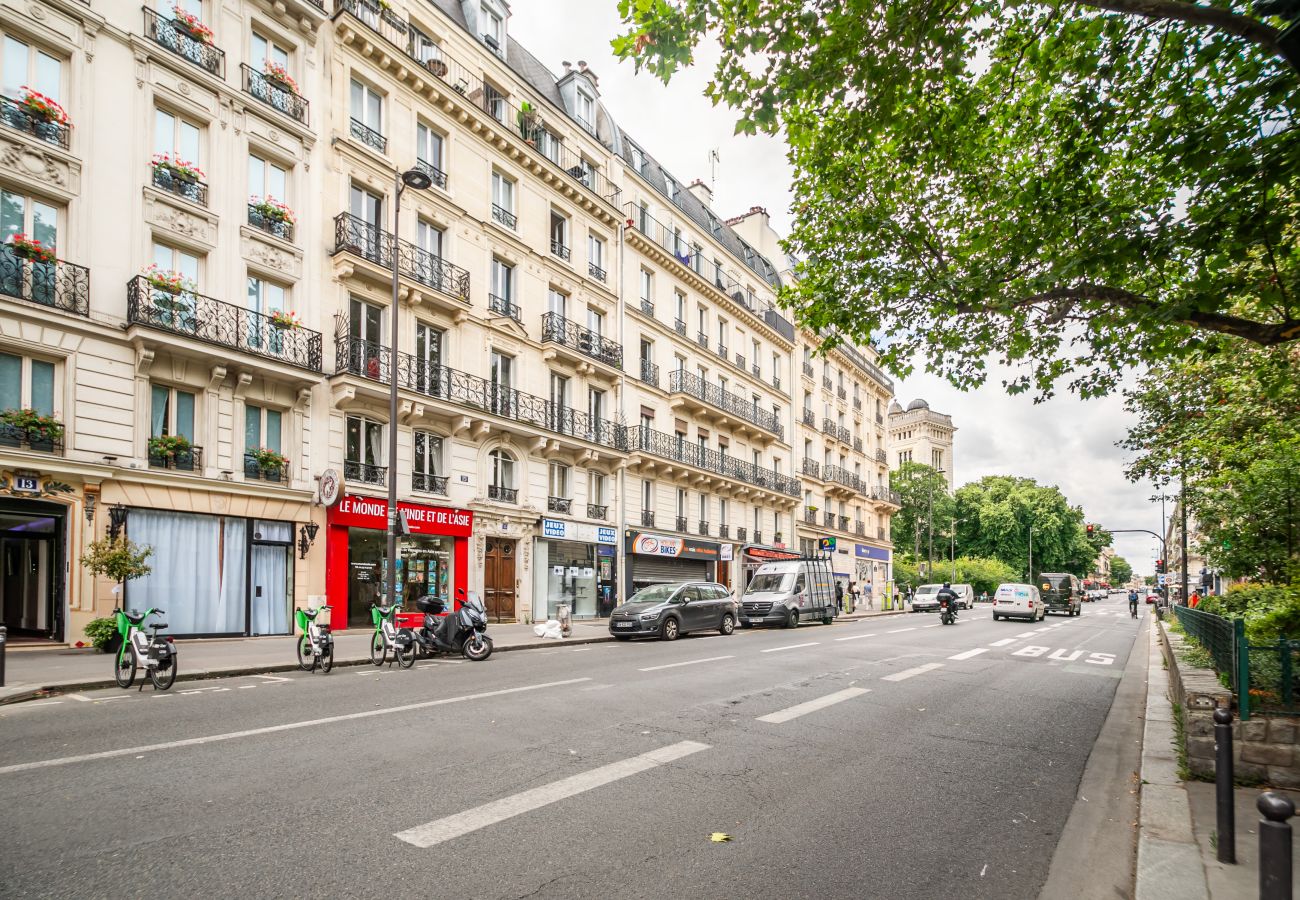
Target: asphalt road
x=883, y=758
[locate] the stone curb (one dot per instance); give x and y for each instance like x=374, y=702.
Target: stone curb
x=1169, y=863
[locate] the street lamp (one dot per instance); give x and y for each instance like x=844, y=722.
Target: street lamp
x=929, y=528
x=419, y=180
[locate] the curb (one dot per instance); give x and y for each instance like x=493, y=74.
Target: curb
x=1169, y=859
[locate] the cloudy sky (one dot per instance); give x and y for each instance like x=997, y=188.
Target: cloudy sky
x=1065, y=441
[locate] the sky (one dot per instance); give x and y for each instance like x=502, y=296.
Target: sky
x=1065, y=441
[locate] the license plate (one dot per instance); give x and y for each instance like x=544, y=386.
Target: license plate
x=624, y=624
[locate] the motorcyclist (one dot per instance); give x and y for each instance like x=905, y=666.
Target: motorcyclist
x=1133, y=603
x=947, y=596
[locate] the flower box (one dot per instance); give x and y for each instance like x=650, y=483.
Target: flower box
x=284, y=320
x=267, y=460
x=167, y=281
x=279, y=76
x=272, y=210
x=191, y=25
x=168, y=445
x=42, y=108
x=30, y=248
x=36, y=428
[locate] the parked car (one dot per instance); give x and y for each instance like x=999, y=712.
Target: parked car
x=670, y=610
x=926, y=598
x=1018, y=601
x=1153, y=598
x=789, y=592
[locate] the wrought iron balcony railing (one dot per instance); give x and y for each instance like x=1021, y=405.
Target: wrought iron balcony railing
x=758, y=536
x=558, y=329
x=702, y=339
x=721, y=350
x=885, y=495
x=812, y=468
x=828, y=427
x=430, y=484
x=776, y=379
x=676, y=448
x=275, y=94
x=704, y=527
x=841, y=393
x=281, y=228
x=224, y=324
x=503, y=494
x=505, y=217
x=809, y=418
x=559, y=505
x=740, y=362
x=880, y=420
x=359, y=237
x=742, y=534
x=190, y=189
x=365, y=473
x=373, y=361
x=828, y=519
x=16, y=116
x=596, y=272
x=172, y=34
x=259, y=472
x=840, y=475
x=598, y=511
x=34, y=439
x=881, y=455
x=842, y=432
x=860, y=528
x=681, y=524
x=808, y=369
x=810, y=517
x=684, y=382
x=438, y=176
x=724, y=530
x=857, y=444
x=844, y=523
x=367, y=135
x=857, y=403
x=827, y=383
x=648, y=518
x=188, y=460
x=647, y=307
x=680, y=327
x=558, y=249
x=61, y=285
x=504, y=306
x=880, y=533
x=649, y=373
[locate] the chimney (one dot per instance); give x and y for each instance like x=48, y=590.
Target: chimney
x=568, y=66
x=702, y=192
x=591, y=75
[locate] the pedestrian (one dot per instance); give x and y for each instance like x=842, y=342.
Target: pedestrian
x=871, y=598
x=1196, y=598
x=898, y=598
x=839, y=594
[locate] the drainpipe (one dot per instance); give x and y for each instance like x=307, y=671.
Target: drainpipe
x=620, y=516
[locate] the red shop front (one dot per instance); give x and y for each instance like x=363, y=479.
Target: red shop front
x=432, y=559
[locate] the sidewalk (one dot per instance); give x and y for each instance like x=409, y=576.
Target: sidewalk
x=32, y=672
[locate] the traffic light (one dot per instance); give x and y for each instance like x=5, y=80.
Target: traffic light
x=1160, y=566
x=1089, y=527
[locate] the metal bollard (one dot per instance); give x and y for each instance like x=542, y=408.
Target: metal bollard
x=1223, y=794
x=1275, y=846
x=4, y=640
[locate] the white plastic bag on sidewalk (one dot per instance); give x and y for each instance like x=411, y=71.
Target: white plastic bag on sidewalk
x=554, y=631
x=539, y=629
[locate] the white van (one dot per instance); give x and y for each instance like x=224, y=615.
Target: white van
x=788, y=592
x=927, y=597
x=1018, y=601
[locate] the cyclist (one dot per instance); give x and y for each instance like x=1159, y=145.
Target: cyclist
x=1133, y=603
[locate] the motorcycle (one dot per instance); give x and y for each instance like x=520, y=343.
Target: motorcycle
x=947, y=612
x=463, y=631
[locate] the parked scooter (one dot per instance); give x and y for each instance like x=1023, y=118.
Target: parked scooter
x=463, y=631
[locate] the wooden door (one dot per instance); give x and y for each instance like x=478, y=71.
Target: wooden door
x=499, y=580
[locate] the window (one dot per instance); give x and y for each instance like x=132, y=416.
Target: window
x=722, y=510
x=702, y=316
x=267, y=179
x=595, y=487
x=559, y=391
x=365, y=442
x=595, y=251
x=26, y=384
x=503, y=279
x=264, y=50
x=24, y=65
x=430, y=379
x=503, y=200
x=428, y=237
x=494, y=28
x=494, y=102
x=549, y=144
x=35, y=218
x=704, y=507
x=369, y=208
x=647, y=354
x=722, y=334
x=595, y=405
x=171, y=412
x=697, y=253
x=503, y=469
x=428, y=150
x=176, y=136
x=595, y=321
x=502, y=369
x=648, y=495
x=647, y=286
x=263, y=428
x=559, y=481
x=936, y=460
x=670, y=186
x=171, y=259
x=428, y=455
x=586, y=111
x=679, y=307
x=366, y=321
x=559, y=235
x=265, y=298
x=367, y=107
x=681, y=503
x=638, y=159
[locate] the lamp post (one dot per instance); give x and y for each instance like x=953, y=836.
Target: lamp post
x=929, y=528
x=1163, y=537
x=419, y=180
x=1030, y=577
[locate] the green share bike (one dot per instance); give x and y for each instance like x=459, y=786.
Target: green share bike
x=156, y=652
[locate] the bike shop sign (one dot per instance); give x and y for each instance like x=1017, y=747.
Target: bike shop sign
x=576, y=531
x=371, y=512
x=647, y=544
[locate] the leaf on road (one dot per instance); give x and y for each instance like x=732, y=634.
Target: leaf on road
x=719, y=838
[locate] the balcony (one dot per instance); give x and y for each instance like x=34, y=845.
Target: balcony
x=702, y=339
x=845, y=436
x=36, y=440
x=844, y=523
x=224, y=324
x=364, y=473
x=647, y=307
x=828, y=427
x=503, y=216
x=809, y=418
x=680, y=524
x=740, y=362
x=59, y=285
x=857, y=403
x=355, y=356
x=368, y=136
x=560, y=330
x=281, y=228
x=13, y=114
x=843, y=477
x=881, y=456
x=880, y=533
x=596, y=272
x=721, y=350
x=680, y=327
x=176, y=37
x=255, y=471
x=182, y=186
x=758, y=536
x=559, y=505
x=436, y=175
x=827, y=384
x=810, y=517
x=857, y=445
x=808, y=370
x=429, y=484
x=885, y=495
x=828, y=518
x=641, y=439
x=558, y=249
x=704, y=527
x=724, y=530
x=598, y=511
x=503, y=306
x=757, y=372
x=503, y=494
x=274, y=93
x=190, y=460
x=649, y=373
x=880, y=420
x=860, y=528
x=841, y=393
x=811, y=468
x=648, y=518
x=694, y=386
x=742, y=534
x=357, y=236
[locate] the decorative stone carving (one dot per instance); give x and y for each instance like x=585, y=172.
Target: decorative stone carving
x=265, y=251
x=28, y=162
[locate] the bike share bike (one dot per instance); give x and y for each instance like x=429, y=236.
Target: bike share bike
x=156, y=652
x=387, y=637
x=463, y=631
x=316, y=643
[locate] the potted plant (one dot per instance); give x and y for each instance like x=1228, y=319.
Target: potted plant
x=812, y=510
x=167, y=281
x=177, y=168
x=528, y=121
x=36, y=427
x=25, y=247
x=272, y=211
x=42, y=108
x=103, y=635
x=279, y=75
x=268, y=460
x=120, y=560
x=284, y=320
x=385, y=5
x=166, y=446
x=192, y=25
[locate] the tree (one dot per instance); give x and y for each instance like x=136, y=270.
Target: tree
x=1120, y=570
x=119, y=560
x=922, y=490
x=1067, y=186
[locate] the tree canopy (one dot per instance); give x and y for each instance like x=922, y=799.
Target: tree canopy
x=1065, y=186
x=925, y=503
x=1120, y=570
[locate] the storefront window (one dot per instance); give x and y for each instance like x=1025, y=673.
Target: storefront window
x=566, y=573
x=424, y=566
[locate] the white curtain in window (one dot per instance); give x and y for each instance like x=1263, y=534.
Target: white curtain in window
x=270, y=594
x=198, y=572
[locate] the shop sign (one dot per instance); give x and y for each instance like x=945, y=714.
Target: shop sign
x=763, y=554
x=577, y=531
x=727, y=551
x=862, y=551
x=331, y=487
x=647, y=544
x=370, y=512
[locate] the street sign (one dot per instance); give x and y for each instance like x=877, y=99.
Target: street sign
x=1160, y=579
x=827, y=543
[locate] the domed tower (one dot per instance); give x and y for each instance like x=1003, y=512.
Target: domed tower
x=919, y=434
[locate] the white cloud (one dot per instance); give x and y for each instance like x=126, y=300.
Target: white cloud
x=1066, y=441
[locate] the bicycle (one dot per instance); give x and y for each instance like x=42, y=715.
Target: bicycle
x=387, y=637
x=157, y=651
x=316, y=643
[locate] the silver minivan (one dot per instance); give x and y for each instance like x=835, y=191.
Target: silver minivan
x=788, y=592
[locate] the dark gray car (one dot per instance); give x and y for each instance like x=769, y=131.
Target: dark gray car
x=671, y=610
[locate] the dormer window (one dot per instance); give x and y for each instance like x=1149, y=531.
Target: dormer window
x=586, y=111
x=638, y=159
x=494, y=28
x=671, y=187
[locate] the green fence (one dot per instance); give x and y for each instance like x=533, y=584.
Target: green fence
x=1273, y=673
x=1265, y=677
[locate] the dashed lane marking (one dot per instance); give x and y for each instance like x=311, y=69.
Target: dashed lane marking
x=854, y=637
x=441, y=830
x=802, y=709
x=1025, y=634
x=790, y=647
x=1003, y=642
x=901, y=630
x=907, y=673
x=970, y=653
x=689, y=662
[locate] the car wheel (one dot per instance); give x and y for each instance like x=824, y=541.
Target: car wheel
x=670, y=630
x=728, y=624
x=792, y=618
x=996, y=617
